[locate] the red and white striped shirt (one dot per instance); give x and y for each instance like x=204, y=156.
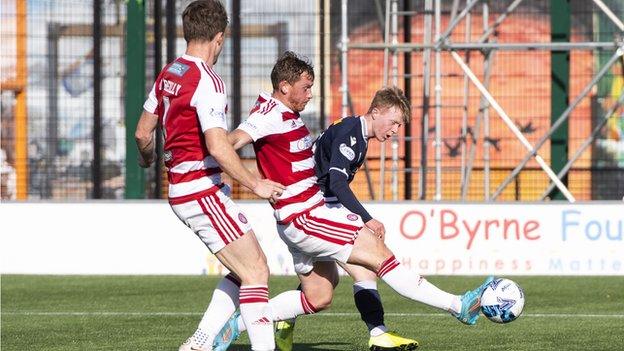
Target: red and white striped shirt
x=189, y=98
x=283, y=148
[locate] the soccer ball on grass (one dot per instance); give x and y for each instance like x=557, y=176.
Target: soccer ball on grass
x=502, y=301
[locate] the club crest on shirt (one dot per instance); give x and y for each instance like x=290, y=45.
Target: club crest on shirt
x=352, y=217
x=167, y=156
x=301, y=144
x=347, y=152
x=242, y=218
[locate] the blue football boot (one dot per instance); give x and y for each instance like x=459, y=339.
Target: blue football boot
x=471, y=303
x=228, y=334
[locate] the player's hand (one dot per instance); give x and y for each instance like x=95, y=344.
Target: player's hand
x=268, y=189
x=377, y=228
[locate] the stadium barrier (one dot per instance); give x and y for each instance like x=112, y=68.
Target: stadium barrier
x=443, y=238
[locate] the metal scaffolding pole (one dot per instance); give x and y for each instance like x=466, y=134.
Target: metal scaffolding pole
x=513, y=127
x=486, y=34
x=401, y=47
x=483, y=115
x=407, y=90
x=484, y=110
x=610, y=14
x=585, y=144
x=344, y=46
x=382, y=151
x=424, y=124
x=454, y=9
x=440, y=44
x=394, y=146
x=438, y=102
x=442, y=38
x=464, y=127
x=559, y=121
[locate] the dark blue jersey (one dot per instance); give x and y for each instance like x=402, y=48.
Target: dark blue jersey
x=339, y=153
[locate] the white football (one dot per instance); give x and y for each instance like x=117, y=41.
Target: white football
x=502, y=301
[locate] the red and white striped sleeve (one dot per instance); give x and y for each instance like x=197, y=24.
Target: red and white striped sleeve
x=210, y=101
x=151, y=103
x=261, y=123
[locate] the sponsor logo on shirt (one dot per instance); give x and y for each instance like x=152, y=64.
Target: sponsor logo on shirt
x=353, y=141
x=347, y=152
x=250, y=125
x=177, y=68
x=217, y=114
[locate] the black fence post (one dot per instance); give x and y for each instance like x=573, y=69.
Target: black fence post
x=96, y=166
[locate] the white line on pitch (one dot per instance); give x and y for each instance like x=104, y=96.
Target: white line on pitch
x=326, y=314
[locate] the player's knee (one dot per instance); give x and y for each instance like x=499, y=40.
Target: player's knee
x=320, y=297
x=322, y=302
x=383, y=251
x=262, y=271
x=257, y=274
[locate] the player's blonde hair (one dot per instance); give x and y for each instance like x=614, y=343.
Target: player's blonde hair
x=391, y=97
x=203, y=19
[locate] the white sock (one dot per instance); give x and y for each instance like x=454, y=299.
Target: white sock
x=287, y=305
x=256, y=313
x=378, y=330
x=415, y=287
x=364, y=285
x=223, y=304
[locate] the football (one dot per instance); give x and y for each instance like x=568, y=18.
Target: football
x=502, y=301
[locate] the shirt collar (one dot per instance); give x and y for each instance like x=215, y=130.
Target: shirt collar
x=193, y=58
x=364, y=129
x=287, y=113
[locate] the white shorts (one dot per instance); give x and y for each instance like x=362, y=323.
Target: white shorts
x=213, y=216
x=326, y=233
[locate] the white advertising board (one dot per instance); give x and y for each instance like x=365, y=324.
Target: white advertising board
x=464, y=239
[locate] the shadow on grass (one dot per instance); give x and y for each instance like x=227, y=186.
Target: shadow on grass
x=305, y=346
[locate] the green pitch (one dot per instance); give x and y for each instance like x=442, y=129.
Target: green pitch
x=160, y=312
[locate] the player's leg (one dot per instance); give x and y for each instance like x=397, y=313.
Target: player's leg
x=220, y=224
x=367, y=299
x=372, y=253
x=317, y=285
x=284, y=332
x=223, y=304
x=368, y=303
x=316, y=281
x=245, y=258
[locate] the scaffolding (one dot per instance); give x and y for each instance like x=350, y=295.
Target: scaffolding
x=487, y=46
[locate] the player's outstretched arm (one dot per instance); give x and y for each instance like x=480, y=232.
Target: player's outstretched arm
x=144, y=137
x=227, y=158
x=239, y=138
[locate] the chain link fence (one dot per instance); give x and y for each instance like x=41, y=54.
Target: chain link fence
x=56, y=161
